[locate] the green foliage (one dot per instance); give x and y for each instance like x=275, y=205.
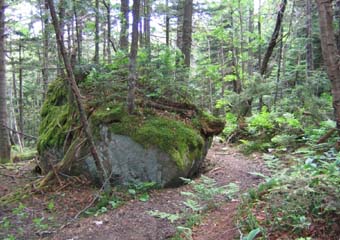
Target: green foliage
x=39, y=223
x=103, y=204
x=205, y=192
x=252, y=235
x=231, y=124
x=202, y=198
x=296, y=198
x=272, y=130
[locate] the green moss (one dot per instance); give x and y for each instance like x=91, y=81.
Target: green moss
x=56, y=117
x=180, y=141
x=108, y=114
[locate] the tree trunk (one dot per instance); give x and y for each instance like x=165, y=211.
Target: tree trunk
x=132, y=78
x=167, y=24
x=21, y=94
x=272, y=44
x=309, y=47
x=329, y=53
x=187, y=31
x=147, y=31
x=5, y=149
x=180, y=13
x=79, y=33
x=45, y=23
x=76, y=94
x=108, y=19
x=96, y=37
x=124, y=25
x=273, y=40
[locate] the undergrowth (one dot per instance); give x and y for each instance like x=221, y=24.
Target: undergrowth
x=302, y=196
x=205, y=195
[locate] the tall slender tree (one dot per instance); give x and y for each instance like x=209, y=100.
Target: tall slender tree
x=330, y=54
x=5, y=150
x=187, y=31
x=124, y=25
x=132, y=78
x=96, y=37
x=76, y=93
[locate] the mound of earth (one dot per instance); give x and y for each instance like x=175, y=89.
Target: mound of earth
x=160, y=143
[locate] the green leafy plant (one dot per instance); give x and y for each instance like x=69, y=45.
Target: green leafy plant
x=20, y=211
x=252, y=235
x=39, y=223
x=201, y=199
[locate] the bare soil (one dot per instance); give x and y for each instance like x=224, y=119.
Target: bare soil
x=131, y=221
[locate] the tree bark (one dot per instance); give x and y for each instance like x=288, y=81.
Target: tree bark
x=330, y=53
x=5, y=149
x=96, y=37
x=309, y=46
x=21, y=94
x=187, y=31
x=273, y=40
x=132, y=78
x=147, y=31
x=167, y=24
x=45, y=24
x=272, y=44
x=108, y=19
x=79, y=33
x=180, y=13
x=124, y=25
x=76, y=94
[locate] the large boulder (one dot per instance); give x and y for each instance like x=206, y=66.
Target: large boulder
x=153, y=145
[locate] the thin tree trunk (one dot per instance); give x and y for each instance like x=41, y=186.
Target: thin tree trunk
x=147, y=30
x=273, y=40
x=132, y=78
x=329, y=53
x=45, y=24
x=124, y=25
x=180, y=13
x=167, y=24
x=76, y=94
x=5, y=149
x=79, y=33
x=278, y=69
x=21, y=94
x=108, y=19
x=309, y=47
x=187, y=32
x=250, y=65
x=96, y=38
x=272, y=44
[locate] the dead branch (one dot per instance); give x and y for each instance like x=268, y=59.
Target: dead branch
x=64, y=163
x=20, y=133
x=325, y=137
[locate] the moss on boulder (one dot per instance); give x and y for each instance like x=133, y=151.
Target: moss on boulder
x=162, y=147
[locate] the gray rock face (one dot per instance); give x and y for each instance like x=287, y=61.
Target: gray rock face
x=130, y=162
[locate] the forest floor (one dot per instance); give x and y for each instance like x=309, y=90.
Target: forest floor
x=41, y=215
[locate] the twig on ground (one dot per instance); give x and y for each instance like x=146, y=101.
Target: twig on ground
x=91, y=203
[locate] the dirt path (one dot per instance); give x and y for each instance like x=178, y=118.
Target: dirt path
x=131, y=221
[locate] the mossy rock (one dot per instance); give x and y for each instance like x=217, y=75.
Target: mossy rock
x=146, y=146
